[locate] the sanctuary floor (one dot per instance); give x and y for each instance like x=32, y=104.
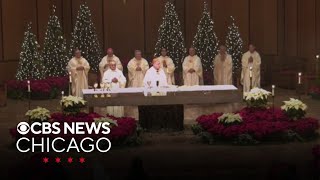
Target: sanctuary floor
x=171, y=154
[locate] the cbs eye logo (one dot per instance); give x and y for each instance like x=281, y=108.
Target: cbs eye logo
x=23, y=128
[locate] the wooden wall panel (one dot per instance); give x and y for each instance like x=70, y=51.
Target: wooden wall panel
x=223, y=9
x=44, y=8
x=263, y=25
x=193, y=14
x=180, y=8
x=1, y=39
x=67, y=23
x=16, y=14
x=153, y=19
x=306, y=28
x=291, y=27
x=124, y=26
x=317, y=22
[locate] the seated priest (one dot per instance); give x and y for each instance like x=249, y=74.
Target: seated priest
x=192, y=69
x=79, y=68
x=155, y=76
x=114, y=76
x=104, y=64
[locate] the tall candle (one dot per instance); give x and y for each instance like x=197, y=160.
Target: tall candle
x=273, y=87
x=250, y=72
x=299, y=77
x=70, y=81
x=29, y=89
x=62, y=93
x=317, y=56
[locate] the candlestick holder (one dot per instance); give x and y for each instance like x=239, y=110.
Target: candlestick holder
x=70, y=85
x=299, y=90
x=29, y=100
x=250, y=83
x=273, y=96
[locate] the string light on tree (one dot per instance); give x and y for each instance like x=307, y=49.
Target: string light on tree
x=234, y=45
x=170, y=36
x=30, y=60
x=84, y=37
x=54, y=50
x=206, y=41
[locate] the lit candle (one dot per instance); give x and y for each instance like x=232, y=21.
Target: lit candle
x=250, y=72
x=70, y=80
x=299, y=77
x=273, y=87
x=62, y=93
x=317, y=56
x=29, y=89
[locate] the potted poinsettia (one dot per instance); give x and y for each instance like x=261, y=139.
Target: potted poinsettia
x=257, y=98
x=294, y=109
x=72, y=104
x=38, y=114
x=230, y=119
x=106, y=119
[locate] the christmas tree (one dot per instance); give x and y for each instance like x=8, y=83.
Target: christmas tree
x=170, y=36
x=234, y=45
x=54, y=51
x=84, y=38
x=205, y=41
x=30, y=60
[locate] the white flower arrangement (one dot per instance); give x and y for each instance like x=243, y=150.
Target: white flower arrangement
x=104, y=119
x=257, y=97
x=294, y=104
x=70, y=101
x=294, y=108
x=38, y=113
x=230, y=118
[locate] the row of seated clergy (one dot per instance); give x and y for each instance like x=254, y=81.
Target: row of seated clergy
x=192, y=69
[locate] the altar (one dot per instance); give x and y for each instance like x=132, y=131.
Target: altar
x=162, y=107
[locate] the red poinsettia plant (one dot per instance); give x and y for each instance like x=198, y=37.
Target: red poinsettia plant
x=40, y=89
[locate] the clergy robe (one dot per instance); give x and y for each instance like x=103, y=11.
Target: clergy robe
x=136, y=77
x=79, y=77
x=153, y=76
x=196, y=78
x=106, y=60
x=222, y=72
x=245, y=74
x=117, y=111
x=169, y=70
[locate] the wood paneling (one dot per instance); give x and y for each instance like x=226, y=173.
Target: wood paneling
x=276, y=27
x=291, y=27
x=153, y=19
x=263, y=25
x=307, y=31
x=16, y=14
x=124, y=26
x=223, y=9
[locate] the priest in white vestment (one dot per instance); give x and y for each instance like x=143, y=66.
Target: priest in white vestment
x=137, y=68
x=117, y=80
x=168, y=66
x=79, y=68
x=155, y=76
x=104, y=63
x=192, y=69
x=250, y=59
x=222, y=71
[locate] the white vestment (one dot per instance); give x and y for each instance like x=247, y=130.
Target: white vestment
x=153, y=75
x=79, y=77
x=222, y=72
x=195, y=78
x=169, y=70
x=245, y=74
x=136, y=77
x=109, y=75
x=106, y=60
